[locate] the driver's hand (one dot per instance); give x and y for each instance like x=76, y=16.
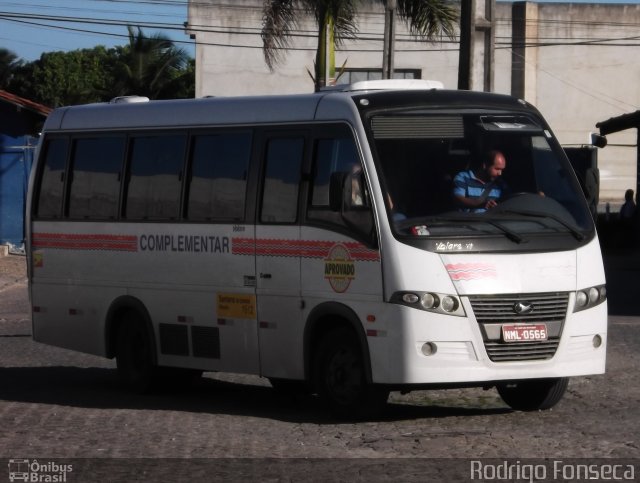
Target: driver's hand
x=491, y=204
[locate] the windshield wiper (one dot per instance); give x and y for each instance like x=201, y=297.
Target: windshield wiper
x=538, y=214
x=511, y=235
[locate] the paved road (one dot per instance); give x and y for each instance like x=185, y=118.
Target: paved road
x=64, y=407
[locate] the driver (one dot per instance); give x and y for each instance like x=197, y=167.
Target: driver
x=478, y=190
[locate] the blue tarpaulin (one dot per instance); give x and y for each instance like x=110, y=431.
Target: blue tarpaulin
x=20, y=122
x=16, y=157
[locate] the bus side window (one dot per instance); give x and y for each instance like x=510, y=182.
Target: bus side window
x=337, y=158
x=219, y=167
x=50, y=191
x=95, y=179
x=282, y=180
x=154, y=182
x=332, y=156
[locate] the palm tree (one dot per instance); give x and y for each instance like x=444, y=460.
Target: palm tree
x=336, y=23
x=149, y=65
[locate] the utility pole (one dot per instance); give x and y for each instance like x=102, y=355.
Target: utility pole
x=524, y=57
x=477, y=44
x=467, y=26
x=389, y=39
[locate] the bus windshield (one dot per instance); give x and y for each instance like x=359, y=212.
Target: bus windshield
x=431, y=163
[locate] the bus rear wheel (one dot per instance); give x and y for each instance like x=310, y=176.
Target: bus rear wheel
x=134, y=354
x=340, y=377
x=533, y=394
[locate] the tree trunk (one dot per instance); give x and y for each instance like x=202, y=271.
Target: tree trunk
x=325, y=74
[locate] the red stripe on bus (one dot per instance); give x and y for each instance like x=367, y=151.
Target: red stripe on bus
x=86, y=241
x=279, y=247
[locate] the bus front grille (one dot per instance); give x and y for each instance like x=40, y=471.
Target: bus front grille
x=521, y=351
x=494, y=311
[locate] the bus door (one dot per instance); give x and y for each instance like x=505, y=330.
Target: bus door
x=278, y=253
x=342, y=262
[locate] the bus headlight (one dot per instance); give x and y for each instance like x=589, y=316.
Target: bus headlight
x=450, y=304
x=410, y=298
x=590, y=297
x=431, y=302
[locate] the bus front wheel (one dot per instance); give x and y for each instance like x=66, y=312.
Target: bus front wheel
x=134, y=354
x=533, y=394
x=340, y=377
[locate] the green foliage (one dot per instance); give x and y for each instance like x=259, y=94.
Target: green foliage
x=147, y=66
x=63, y=78
x=9, y=62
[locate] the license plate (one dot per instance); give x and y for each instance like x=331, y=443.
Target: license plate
x=524, y=333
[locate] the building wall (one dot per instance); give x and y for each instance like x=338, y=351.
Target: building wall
x=592, y=76
x=578, y=67
x=229, y=59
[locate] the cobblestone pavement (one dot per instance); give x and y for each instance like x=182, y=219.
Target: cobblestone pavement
x=65, y=405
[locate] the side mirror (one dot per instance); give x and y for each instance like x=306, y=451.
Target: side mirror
x=347, y=191
x=347, y=196
x=598, y=140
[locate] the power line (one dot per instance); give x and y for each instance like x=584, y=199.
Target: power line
x=40, y=20
x=217, y=44
x=86, y=20
x=254, y=31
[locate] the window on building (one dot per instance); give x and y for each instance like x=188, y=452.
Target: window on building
x=95, y=179
x=219, y=166
x=155, y=177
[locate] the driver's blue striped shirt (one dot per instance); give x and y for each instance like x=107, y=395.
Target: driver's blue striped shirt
x=467, y=185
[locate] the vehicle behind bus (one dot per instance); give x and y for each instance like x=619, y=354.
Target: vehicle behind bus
x=317, y=240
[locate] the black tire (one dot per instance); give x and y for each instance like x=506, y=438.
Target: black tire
x=134, y=355
x=534, y=394
x=340, y=377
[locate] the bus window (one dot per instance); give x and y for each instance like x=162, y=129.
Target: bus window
x=338, y=159
x=420, y=156
x=332, y=156
x=219, y=167
x=95, y=179
x=154, y=177
x=282, y=179
x=51, y=189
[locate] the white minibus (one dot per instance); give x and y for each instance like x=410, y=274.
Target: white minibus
x=320, y=241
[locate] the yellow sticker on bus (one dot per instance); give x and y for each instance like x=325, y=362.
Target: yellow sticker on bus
x=236, y=306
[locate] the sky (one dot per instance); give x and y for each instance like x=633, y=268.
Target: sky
x=30, y=27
